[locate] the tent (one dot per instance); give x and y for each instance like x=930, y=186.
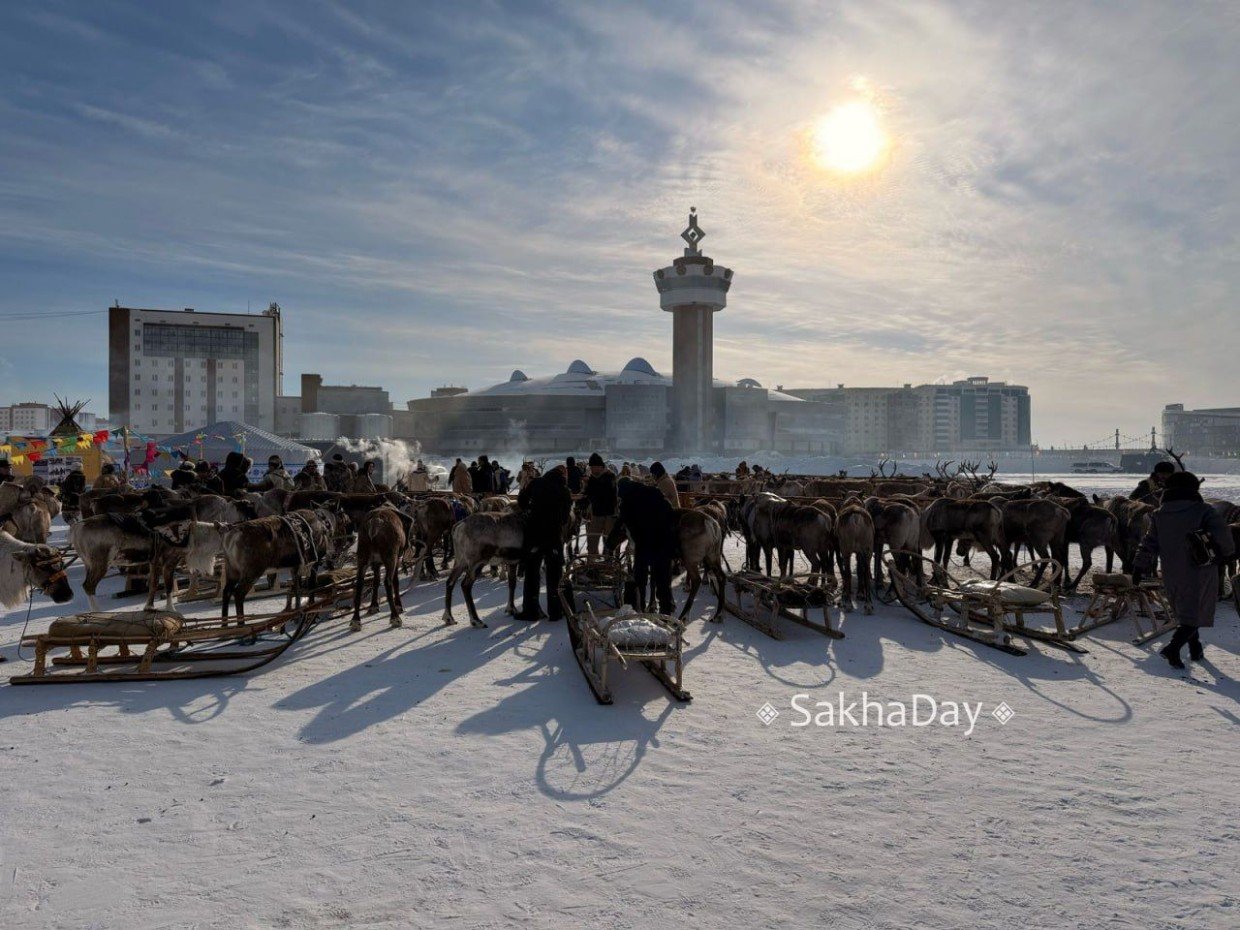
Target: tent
x=214, y=441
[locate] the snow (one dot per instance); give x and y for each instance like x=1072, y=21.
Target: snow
x=430, y=776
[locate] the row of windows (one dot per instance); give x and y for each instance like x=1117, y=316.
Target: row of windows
x=188, y=408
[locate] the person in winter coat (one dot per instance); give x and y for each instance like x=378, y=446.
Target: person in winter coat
x=600, y=491
x=1192, y=589
x=575, y=475
x=183, y=476
x=235, y=475
x=276, y=477
x=71, y=490
x=364, y=480
x=1148, y=489
x=108, y=479
x=309, y=479
x=650, y=522
x=460, y=479
x=6, y=472
x=547, y=506
x=336, y=474
x=742, y=470
x=665, y=483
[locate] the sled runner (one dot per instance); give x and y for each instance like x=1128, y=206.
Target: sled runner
x=624, y=634
x=1115, y=596
x=792, y=598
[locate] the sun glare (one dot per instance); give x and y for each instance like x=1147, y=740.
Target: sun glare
x=850, y=139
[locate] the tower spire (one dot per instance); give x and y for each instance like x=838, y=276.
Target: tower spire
x=693, y=234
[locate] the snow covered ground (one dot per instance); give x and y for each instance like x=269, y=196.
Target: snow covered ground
x=433, y=776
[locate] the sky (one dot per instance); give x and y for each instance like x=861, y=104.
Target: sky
x=438, y=193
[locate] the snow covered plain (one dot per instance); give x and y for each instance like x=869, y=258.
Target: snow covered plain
x=452, y=777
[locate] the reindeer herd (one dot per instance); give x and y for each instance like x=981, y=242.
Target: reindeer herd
x=835, y=524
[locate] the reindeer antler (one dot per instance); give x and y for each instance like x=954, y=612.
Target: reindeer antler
x=1179, y=459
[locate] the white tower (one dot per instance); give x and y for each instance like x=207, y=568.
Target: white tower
x=693, y=289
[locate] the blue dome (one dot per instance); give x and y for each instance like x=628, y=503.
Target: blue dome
x=518, y=375
x=579, y=367
x=640, y=365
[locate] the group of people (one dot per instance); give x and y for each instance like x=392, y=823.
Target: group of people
x=620, y=506
x=481, y=476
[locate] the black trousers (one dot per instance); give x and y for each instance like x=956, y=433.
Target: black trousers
x=552, y=559
x=655, y=565
x=1183, y=634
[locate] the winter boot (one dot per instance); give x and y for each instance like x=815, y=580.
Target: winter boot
x=1172, y=656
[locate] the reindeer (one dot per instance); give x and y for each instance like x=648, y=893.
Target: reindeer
x=1132, y=520
x=1039, y=524
x=807, y=529
x=854, y=534
x=758, y=520
x=897, y=525
x=25, y=566
x=948, y=519
x=253, y=548
x=382, y=536
x=476, y=541
x=1091, y=526
x=700, y=538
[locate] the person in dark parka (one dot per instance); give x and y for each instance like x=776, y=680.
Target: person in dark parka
x=547, y=505
x=183, y=476
x=1148, y=489
x=576, y=474
x=235, y=475
x=647, y=516
x=1192, y=589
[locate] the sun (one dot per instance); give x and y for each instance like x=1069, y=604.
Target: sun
x=850, y=139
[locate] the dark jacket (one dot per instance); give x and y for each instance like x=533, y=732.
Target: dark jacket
x=71, y=488
x=336, y=476
x=1146, y=492
x=600, y=490
x=647, y=517
x=1191, y=589
x=481, y=478
x=547, y=505
x=575, y=476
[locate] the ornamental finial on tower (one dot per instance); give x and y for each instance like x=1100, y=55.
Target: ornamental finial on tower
x=693, y=233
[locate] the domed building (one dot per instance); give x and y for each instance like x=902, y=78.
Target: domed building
x=582, y=409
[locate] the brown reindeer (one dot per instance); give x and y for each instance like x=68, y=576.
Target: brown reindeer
x=478, y=540
x=854, y=539
x=1039, y=524
x=807, y=529
x=295, y=541
x=382, y=536
x=1132, y=523
x=897, y=525
x=947, y=520
x=700, y=538
x=1091, y=526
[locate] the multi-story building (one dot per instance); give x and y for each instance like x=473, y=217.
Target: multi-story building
x=31, y=418
x=172, y=370
x=1206, y=431
x=350, y=399
x=973, y=414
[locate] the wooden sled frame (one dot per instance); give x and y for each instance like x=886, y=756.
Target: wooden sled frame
x=792, y=598
x=1111, y=602
x=594, y=650
x=929, y=597
x=599, y=578
x=199, y=649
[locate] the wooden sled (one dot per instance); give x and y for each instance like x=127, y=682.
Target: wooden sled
x=791, y=598
x=651, y=639
x=931, y=596
x=597, y=579
x=1115, y=596
x=156, y=645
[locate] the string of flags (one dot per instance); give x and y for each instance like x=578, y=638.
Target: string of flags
x=19, y=449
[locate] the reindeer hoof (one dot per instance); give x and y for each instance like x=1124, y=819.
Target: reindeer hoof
x=355, y=627
x=397, y=622
x=448, y=620
x=477, y=625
